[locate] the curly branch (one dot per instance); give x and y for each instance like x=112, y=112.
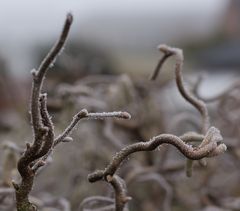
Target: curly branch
x=210, y=148
x=187, y=95
x=198, y=104
x=36, y=154
x=119, y=187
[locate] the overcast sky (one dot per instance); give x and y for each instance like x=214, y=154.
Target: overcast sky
x=26, y=23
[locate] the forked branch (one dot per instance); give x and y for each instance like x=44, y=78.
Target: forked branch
x=36, y=153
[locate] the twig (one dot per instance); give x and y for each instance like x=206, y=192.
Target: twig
x=41, y=123
x=37, y=153
x=198, y=104
x=119, y=187
x=83, y=114
x=187, y=95
x=210, y=148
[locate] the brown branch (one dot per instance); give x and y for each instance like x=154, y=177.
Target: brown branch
x=119, y=187
x=41, y=123
x=36, y=154
x=210, y=148
x=83, y=114
x=38, y=75
x=121, y=198
x=160, y=64
x=187, y=95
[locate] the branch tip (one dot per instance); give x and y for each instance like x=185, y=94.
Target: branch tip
x=69, y=18
x=125, y=115
x=83, y=113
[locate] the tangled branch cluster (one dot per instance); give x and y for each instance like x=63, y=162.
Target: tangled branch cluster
x=209, y=146
x=37, y=153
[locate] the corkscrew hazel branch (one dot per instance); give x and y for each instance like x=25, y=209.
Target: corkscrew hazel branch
x=211, y=148
x=36, y=154
x=187, y=95
x=119, y=187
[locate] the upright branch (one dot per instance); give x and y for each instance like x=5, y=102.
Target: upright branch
x=39, y=75
x=44, y=140
x=42, y=125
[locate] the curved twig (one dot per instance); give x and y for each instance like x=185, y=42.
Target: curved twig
x=38, y=75
x=187, y=95
x=119, y=187
x=36, y=154
x=209, y=149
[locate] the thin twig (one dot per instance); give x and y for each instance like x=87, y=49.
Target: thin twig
x=211, y=147
x=119, y=187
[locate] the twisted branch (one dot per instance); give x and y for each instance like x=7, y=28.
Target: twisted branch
x=187, y=95
x=119, y=187
x=36, y=154
x=209, y=149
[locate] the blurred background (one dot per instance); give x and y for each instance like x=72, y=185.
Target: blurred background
x=118, y=37
x=117, y=40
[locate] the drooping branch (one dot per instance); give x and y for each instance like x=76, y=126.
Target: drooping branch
x=198, y=104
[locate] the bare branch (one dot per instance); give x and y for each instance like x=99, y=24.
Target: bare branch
x=42, y=126
x=211, y=139
x=38, y=75
x=198, y=104
x=119, y=187
x=83, y=114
